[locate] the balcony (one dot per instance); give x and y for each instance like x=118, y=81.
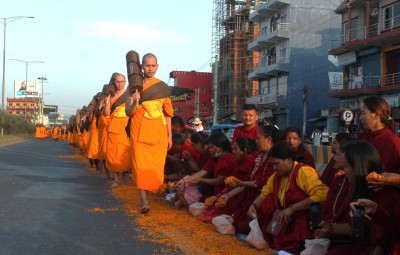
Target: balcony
x=252, y=74
x=279, y=31
x=364, y=85
x=266, y=8
x=365, y=37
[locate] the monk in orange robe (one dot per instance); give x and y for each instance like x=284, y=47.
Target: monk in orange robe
x=63, y=132
x=150, y=131
x=37, y=131
x=102, y=124
x=118, y=146
x=93, y=143
x=56, y=133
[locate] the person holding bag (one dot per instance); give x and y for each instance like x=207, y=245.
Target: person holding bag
x=286, y=198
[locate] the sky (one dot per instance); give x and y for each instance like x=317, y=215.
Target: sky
x=83, y=42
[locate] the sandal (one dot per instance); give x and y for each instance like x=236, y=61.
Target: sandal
x=144, y=209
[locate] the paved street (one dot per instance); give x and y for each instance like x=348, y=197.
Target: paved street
x=45, y=201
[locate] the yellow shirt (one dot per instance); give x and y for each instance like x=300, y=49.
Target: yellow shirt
x=307, y=180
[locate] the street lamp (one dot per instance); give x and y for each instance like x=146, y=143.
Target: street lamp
x=27, y=63
x=43, y=78
x=5, y=21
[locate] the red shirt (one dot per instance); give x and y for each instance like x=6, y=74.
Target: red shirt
x=241, y=131
x=387, y=144
x=195, y=155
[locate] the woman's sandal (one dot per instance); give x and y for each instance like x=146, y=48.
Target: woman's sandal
x=144, y=209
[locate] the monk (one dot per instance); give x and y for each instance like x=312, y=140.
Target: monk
x=150, y=131
x=93, y=143
x=63, y=132
x=118, y=146
x=56, y=133
x=102, y=123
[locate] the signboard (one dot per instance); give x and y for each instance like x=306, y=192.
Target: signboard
x=47, y=109
x=26, y=89
x=348, y=116
x=347, y=58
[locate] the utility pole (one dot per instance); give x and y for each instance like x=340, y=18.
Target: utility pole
x=42, y=78
x=305, y=102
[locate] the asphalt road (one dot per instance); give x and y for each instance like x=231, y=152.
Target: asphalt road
x=44, y=203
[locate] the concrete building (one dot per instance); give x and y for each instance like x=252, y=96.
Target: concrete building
x=368, y=51
x=29, y=107
x=292, y=66
x=191, y=95
x=232, y=33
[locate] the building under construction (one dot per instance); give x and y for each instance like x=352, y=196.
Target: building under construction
x=232, y=33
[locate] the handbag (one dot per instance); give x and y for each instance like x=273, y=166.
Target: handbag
x=274, y=227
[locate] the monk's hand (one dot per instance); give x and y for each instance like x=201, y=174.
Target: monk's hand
x=284, y=216
x=169, y=142
x=324, y=230
x=136, y=96
x=180, y=184
x=370, y=207
x=252, y=212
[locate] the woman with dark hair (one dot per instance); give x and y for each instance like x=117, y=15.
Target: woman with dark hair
x=380, y=131
x=288, y=194
x=360, y=158
x=249, y=187
x=217, y=168
x=331, y=168
x=243, y=151
x=293, y=137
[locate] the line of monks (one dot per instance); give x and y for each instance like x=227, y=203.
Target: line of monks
x=57, y=133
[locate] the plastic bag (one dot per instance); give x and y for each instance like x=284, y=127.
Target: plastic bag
x=317, y=246
x=255, y=237
x=196, y=209
x=223, y=224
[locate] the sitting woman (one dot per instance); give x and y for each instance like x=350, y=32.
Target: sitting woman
x=243, y=151
x=293, y=137
x=288, y=195
x=358, y=158
x=332, y=168
x=249, y=187
x=216, y=169
x=199, y=144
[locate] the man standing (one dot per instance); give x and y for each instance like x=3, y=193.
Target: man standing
x=150, y=131
x=249, y=120
x=118, y=146
x=325, y=138
x=316, y=137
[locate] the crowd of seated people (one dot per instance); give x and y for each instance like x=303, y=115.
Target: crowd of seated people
x=271, y=177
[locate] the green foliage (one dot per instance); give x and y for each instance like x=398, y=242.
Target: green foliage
x=15, y=125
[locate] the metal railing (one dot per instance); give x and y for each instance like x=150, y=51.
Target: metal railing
x=367, y=81
x=362, y=33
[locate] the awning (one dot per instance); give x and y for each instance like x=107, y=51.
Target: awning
x=317, y=119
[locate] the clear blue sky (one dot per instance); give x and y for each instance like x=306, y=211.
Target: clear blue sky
x=83, y=42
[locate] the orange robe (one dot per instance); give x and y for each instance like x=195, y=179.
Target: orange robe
x=118, y=146
x=42, y=132
x=56, y=133
x=102, y=135
x=93, y=149
x=37, y=132
x=79, y=139
x=149, y=142
x=63, y=133
x=85, y=140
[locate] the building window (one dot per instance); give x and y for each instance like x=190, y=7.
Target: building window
x=17, y=112
x=203, y=89
x=17, y=104
x=272, y=56
x=9, y=104
x=24, y=104
x=10, y=112
x=391, y=16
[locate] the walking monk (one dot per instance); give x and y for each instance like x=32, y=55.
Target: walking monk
x=150, y=131
x=118, y=146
